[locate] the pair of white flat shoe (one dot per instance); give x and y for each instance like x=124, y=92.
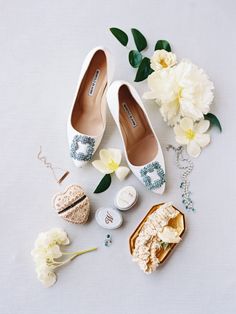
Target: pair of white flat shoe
x=87, y=121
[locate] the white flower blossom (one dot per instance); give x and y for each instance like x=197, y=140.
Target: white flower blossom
x=47, y=251
x=193, y=135
x=59, y=236
x=162, y=59
x=109, y=162
x=46, y=275
x=181, y=91
x=169, y=235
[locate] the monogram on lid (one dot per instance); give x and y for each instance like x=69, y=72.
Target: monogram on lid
x=108, y=218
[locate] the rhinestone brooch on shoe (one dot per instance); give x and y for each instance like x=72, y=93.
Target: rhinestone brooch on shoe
x=89, y=141
x=148, y=182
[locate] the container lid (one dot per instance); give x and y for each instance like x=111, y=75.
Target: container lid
x=126, y=198
x=108, y=218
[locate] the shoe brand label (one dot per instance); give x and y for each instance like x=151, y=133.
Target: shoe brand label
x=129, y=115
x=94, y=83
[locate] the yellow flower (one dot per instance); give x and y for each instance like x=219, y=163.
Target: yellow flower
x=109, y=162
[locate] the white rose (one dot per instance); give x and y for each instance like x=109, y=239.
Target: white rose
x=162, y=59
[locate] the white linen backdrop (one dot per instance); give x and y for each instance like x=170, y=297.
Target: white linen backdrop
x=43, y=44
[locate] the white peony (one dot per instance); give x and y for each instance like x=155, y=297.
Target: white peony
x=193, y=135
x=162, y=59
x=181, y=91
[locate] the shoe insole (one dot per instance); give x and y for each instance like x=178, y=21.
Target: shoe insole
x=89, y=111
x=140, y=142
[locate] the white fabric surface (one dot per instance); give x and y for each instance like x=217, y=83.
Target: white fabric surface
x=43, y=44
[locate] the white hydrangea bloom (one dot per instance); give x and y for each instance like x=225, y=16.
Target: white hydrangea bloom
x=47, y=251
x=59, y=236
x=46, y=275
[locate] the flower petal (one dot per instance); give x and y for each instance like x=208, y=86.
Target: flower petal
x=58, y=235
x=169, y=235
x=202, y=126
x=54, y=251
x=122, y=173
x=178, y=131
x=115, y=155
x=181, y=140
x=193, y=149
x=180, y=135
x=47, y=277
x=203, y=139
x=99, y=165
x=105, y=156
x=186, y=124
x=184, y=87
x=149, y=95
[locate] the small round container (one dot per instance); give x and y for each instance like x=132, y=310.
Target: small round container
x=126, y=198
x=108, y=218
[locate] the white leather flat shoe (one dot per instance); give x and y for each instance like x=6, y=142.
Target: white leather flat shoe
x=142, y=148
x=87, y=118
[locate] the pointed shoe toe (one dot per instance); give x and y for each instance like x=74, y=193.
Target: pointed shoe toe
x=80, y=163
x=161, y=190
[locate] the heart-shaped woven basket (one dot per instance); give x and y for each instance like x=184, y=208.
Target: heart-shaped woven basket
x=72, y=205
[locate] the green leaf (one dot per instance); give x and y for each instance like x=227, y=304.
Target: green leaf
x=135, y=58
x=139, y=39
x=214, y=121
x=120, y=35
x=103, y=184
x=164, y=245
x=144, y=70
x=163, y=44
